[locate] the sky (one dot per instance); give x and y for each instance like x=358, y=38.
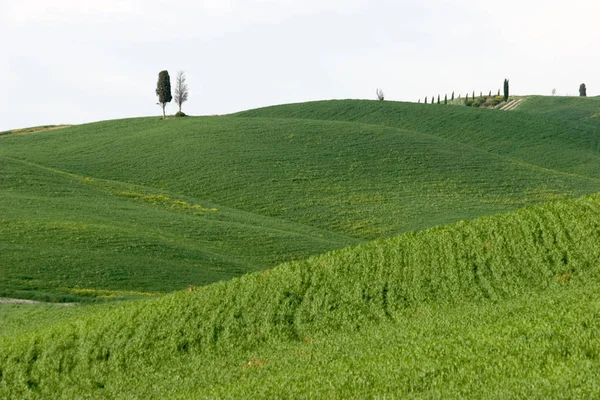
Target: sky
x=73, y=61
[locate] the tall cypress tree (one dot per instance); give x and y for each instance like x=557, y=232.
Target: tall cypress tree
x=446, y=99
x=582, y=90
x=425, y=99
x=438, y=99
x=432, y=99
x=506, y=93
x=163, y=90
x=452, y=95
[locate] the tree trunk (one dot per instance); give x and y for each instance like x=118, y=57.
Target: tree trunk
x=164, y=117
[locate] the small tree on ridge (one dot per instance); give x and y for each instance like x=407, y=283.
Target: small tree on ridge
x=181, y=90
x=163, y=90
x=582, y=90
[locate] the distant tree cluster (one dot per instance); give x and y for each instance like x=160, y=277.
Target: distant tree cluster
x=163, y=91
x=470, y=98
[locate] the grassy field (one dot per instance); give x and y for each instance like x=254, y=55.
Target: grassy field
x=445, y=312
x=65, y=237
x=546, y=137
x=140, y=206
x=323, y=247
x=573, y=109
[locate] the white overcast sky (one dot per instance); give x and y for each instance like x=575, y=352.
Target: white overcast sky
x=74, y=61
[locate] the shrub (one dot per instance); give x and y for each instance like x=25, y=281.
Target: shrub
x=180, y=114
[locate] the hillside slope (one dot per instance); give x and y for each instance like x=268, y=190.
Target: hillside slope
x=358, y=180
x=111, y=208
x=541, y=138
x=71, y=237
x=573, y=109
x=509, y=276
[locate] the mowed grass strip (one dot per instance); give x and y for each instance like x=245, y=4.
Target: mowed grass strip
x=542, y=249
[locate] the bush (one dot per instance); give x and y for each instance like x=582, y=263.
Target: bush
x=180, y=114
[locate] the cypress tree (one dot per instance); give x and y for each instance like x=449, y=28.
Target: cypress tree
x=453, y=95
x=163, y=90
x=438, y=99
x=446, y=99
x=506, y=93
x=473, y=95
x=425, y=99
x=490, y=95
x=582, y=90
x=498, y=92
x=481, y=94
x=432, y=99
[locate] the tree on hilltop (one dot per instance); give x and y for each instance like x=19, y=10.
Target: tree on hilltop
x=452, y=95
x=181, y=90
x=380, y=95
x=163, y=90
x=506, y=90
x=445, y=99
x=425, y=99
x=582, y=90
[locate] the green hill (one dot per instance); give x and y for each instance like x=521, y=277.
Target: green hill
x=124, y=206
x=67, y=237
x=574, y=109
x=324, y=251
x=501, y=306
x=544, y=137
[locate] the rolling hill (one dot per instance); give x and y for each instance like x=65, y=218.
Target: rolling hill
x=323, y=247
x=127, y=205
x=540, y=134
x=474, y=307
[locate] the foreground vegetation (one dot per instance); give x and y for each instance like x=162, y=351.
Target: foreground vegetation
x=472, y=306
x=236, y=210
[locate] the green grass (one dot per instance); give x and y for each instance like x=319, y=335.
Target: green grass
x=503, y=306
x=573, y=109
x=500, y=303
x=82, y=212
x=543, y=139
x=546, y=347
x=70, y=238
